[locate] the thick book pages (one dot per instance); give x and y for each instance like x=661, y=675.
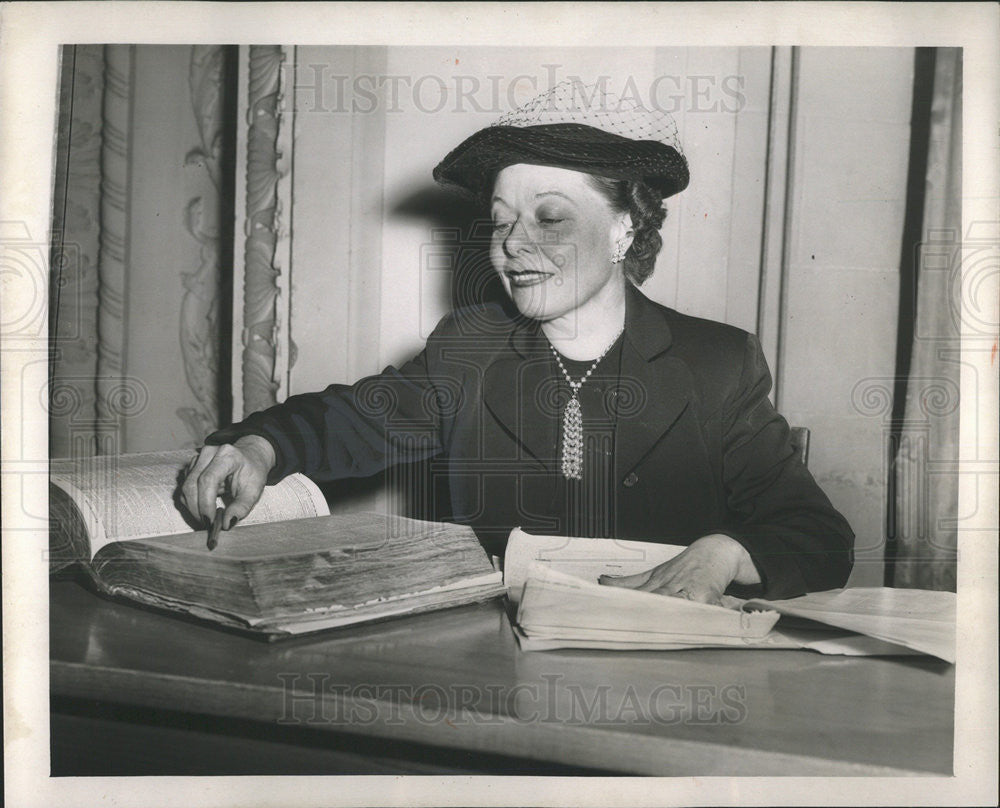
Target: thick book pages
x=289, y=568
x=560, y=605
x=107, y=498
x=304, y=575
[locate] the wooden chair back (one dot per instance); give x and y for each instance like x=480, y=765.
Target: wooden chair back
x=800, y=442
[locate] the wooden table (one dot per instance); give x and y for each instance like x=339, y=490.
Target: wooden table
x=137, y=692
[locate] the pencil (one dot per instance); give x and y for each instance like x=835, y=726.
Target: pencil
x=213, y=531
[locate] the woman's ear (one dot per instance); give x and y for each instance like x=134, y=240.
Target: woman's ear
x=624, y=231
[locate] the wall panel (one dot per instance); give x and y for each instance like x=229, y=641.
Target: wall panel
x=846, y=222
x=161, y=248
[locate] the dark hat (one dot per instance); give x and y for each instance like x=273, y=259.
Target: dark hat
x=577, y=127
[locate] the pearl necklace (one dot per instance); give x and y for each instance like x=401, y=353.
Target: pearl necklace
x=572, y=436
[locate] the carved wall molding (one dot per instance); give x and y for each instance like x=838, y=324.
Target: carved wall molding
x=76, y=225
x=199, y=327
x=264, y=169
x=116, y=129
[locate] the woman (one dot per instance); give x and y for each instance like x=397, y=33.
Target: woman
x=590, y=411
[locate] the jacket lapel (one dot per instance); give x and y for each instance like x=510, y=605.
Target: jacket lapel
x=654, y=389
x=517, y=387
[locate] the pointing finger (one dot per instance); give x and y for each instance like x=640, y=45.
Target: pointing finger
x=239, y=508
x=246, y=486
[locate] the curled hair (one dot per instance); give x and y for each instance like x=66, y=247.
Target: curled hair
x=646, y=208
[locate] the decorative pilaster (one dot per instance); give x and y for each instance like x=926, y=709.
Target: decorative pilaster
x=260, y=376
x=199, y=317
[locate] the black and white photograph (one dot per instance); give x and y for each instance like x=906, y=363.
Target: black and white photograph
x=500, y=405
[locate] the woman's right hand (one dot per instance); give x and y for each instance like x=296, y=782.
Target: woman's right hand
x=241, y=468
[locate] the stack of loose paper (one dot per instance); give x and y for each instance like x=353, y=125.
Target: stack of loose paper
x=553, y=581
x=557, y=610
x=921, y=620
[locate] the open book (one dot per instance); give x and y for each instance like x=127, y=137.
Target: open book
x=288, y=568
x=560, y=604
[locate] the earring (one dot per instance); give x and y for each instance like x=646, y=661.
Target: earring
x=619, y=254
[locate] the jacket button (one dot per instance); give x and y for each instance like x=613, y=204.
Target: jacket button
x=630, y=480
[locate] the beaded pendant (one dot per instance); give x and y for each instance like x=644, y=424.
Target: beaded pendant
x=572, y=429
x=572, y=440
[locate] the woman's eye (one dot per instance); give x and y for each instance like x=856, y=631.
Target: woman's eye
x=501, y=227
x=549, y=221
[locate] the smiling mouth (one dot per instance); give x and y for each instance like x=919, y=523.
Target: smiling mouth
x=526, y=278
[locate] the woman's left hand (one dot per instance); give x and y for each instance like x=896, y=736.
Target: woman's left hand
x=700, y=573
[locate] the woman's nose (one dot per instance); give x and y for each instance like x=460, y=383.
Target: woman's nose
x=518, y=239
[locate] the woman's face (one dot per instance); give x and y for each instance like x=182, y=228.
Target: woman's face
x=553, y=238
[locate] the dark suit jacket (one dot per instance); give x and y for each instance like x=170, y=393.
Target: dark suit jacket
x=698, y=448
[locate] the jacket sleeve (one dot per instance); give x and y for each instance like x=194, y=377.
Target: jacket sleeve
x=354, y=430
x=798, y=541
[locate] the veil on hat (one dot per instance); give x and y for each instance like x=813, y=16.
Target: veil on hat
x=579, y=127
